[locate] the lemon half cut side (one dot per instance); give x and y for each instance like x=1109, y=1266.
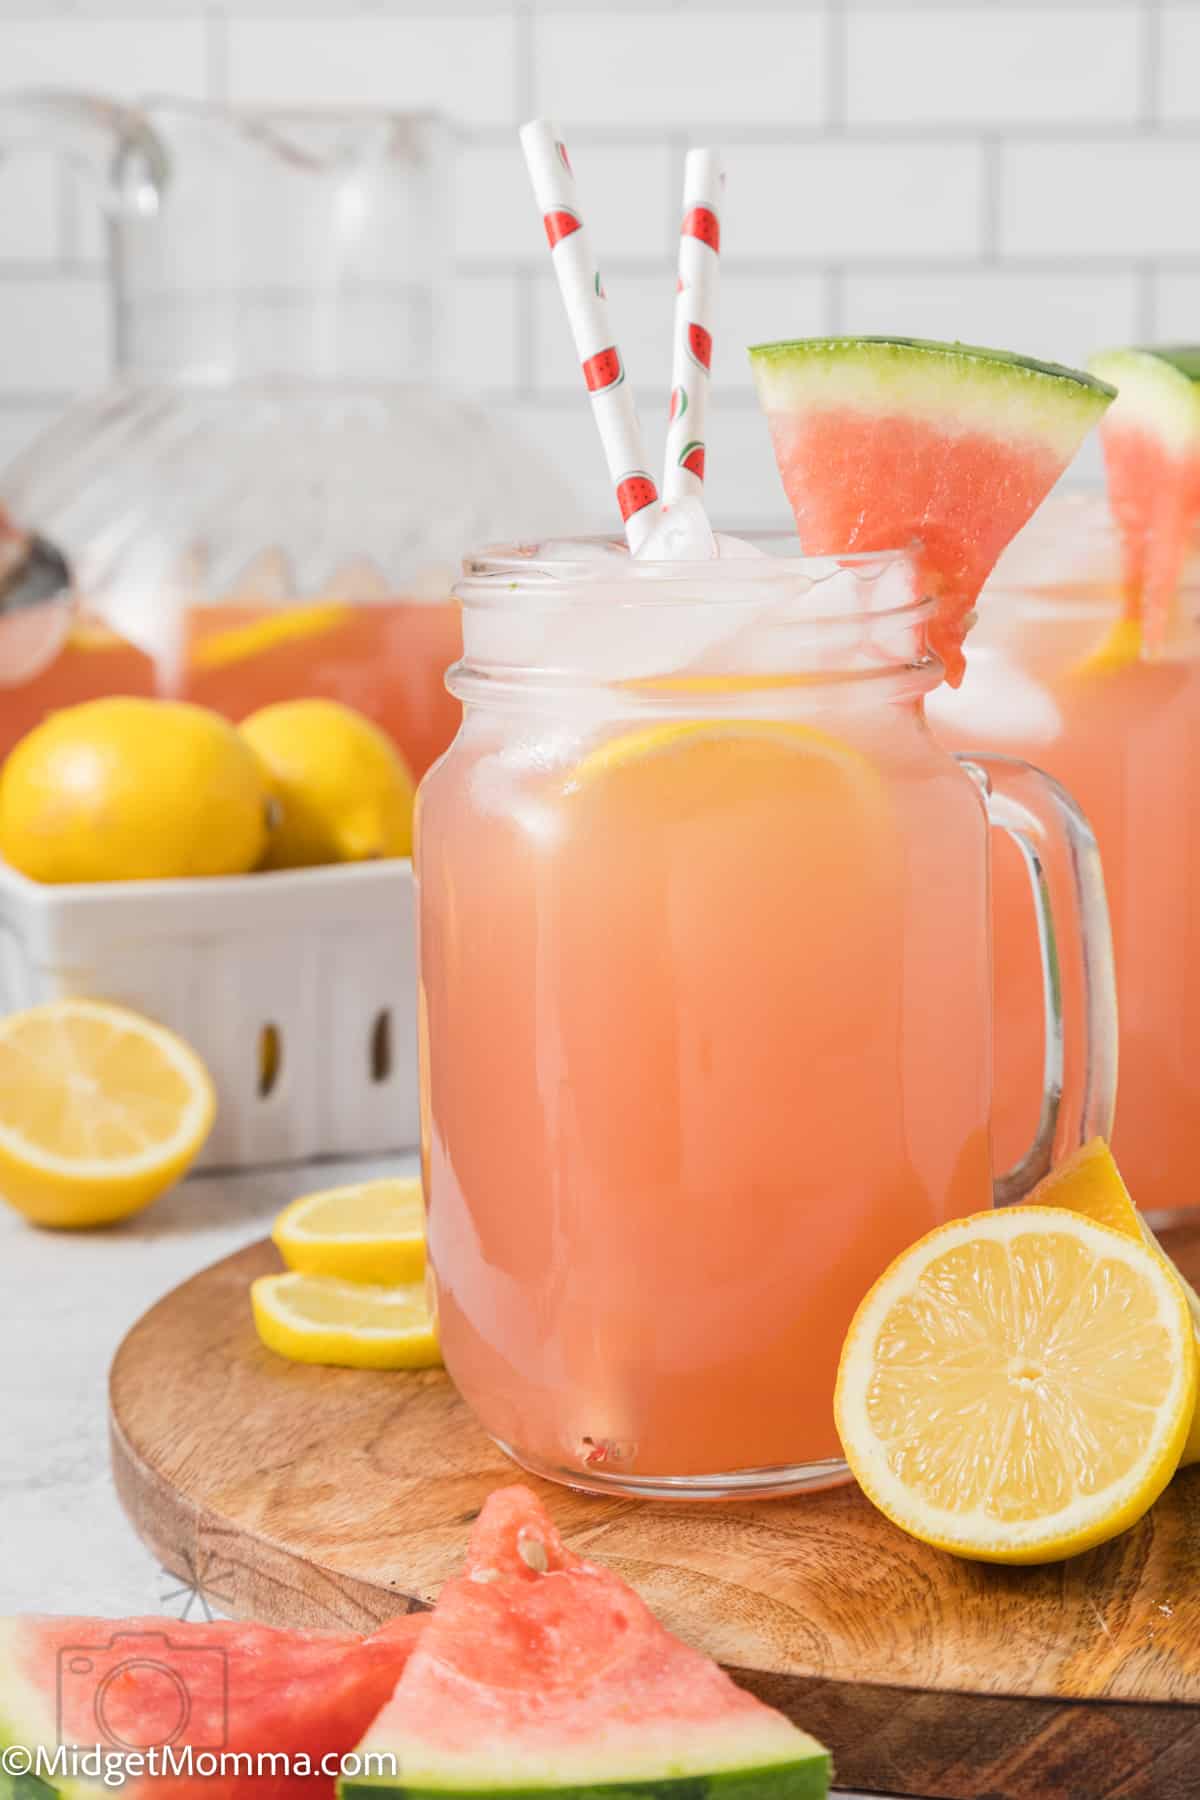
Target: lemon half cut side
x=1018, y=1386
x=101, y=1110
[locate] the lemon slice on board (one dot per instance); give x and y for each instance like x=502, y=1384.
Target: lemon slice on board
x=100, y=1111
x=1089, y=1182
x=317, y=1319
x=373, y=1231
x=1018, y=1386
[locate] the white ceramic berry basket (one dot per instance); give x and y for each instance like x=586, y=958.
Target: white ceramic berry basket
x=299, y=990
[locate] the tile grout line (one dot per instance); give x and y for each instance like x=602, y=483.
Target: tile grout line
x=991, y=200
x=216, y=54
x=837, y=69
x=1150, y=38
x=1146, y=303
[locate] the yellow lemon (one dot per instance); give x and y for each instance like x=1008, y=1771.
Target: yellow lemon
x=372, y=1232
x=1018, y=1386
x=343, y=791
x=1090, y=1183
x=317, y=1319
x=128, y=789
x=100, y=1112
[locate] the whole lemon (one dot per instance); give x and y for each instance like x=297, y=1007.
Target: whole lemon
x=129, y=790
x=342, y=791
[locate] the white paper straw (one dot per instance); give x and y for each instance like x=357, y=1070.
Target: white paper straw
x=587, y=313
x=695, y=319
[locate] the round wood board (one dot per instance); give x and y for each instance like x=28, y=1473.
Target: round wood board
x=304, y=1496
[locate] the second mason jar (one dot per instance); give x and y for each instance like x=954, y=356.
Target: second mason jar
x=705, y=1000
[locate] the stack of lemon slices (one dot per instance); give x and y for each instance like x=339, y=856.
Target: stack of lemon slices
x=1021, y=1385
x=354, y=1292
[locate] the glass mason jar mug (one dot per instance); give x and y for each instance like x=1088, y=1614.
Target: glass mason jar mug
x=1054, y=676
x=705, y=1000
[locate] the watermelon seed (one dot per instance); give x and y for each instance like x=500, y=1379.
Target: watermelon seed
x=485, y=1574
x=532, y=1552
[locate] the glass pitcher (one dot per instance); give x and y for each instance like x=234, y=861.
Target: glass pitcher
x=270, y=498
x=705, y=1004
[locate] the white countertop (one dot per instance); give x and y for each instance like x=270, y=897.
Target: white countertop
x=66, y=1301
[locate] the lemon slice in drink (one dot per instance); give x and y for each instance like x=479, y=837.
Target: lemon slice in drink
x=317, y=1319
x=287, y=625
x=1090, y=1183
x=1018, y=1386
x=1121, y=647
x=100, y=1111
x=729, y=738
x=373, y=1231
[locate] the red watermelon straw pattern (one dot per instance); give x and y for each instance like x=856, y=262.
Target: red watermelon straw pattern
x=695, y=312
x=587, y=313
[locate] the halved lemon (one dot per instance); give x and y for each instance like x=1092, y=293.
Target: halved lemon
x=317, y=1319
x=373, y=1232
x=1090, y=1183
x=100, y=1111
x=1018, y=1386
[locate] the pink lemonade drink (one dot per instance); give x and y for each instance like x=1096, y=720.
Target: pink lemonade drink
x=1054, y=677
x=705, y=1007
x=388, y=659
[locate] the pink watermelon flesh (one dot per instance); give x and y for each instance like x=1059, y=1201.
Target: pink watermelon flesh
x=540, y=1670
x=248, y=1689
x=1151, y=442
x=883, y=443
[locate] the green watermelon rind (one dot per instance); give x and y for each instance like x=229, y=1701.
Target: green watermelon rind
x=1157, y=392
x=806, y=1780
x=29, y=1722
x=970, y=388
x=1184, y=357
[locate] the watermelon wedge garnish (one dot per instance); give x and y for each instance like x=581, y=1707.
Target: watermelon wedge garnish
x=883, y=442
x=145, y=1683
x=540, y=1672
x=1151, y=441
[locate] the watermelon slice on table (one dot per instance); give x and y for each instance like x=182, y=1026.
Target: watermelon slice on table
x=143, y=1683
x=540, y=1672
x=1151, y=441
x=882, y=442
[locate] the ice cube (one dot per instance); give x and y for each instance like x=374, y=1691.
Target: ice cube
x=682, y=534
x=730, y=548
x=581, y=550
x=1000, y=702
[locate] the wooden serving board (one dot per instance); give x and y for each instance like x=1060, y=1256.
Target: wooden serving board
x=334, y=1497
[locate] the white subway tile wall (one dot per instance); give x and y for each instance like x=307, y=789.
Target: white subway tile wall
x=1008, y=171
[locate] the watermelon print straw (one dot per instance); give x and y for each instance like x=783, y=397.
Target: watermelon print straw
x=587, y=313
x=695, y=316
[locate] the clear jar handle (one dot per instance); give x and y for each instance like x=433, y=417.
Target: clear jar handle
x=1061, y=858
x=115, y=145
